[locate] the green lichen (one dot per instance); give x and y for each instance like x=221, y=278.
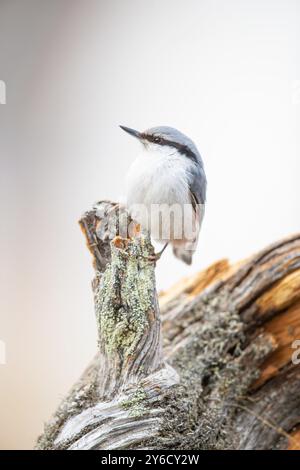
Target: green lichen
x=214, y=378
x=136, y=403
x=124, y=297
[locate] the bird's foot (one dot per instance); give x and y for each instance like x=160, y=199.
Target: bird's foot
x=153, y=258
x=156, y=256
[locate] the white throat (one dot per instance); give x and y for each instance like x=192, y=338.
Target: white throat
x=159, y=175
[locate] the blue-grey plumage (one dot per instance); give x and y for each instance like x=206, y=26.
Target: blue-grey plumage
x=197, y=180
x=168, y=172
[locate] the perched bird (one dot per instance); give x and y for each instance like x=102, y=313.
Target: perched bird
x=167, y=177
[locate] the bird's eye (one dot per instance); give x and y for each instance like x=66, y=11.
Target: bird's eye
x=157, y=140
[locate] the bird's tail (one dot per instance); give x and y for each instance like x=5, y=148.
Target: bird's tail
x=183, y=253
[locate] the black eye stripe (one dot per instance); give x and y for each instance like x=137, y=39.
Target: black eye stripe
x=183, y=149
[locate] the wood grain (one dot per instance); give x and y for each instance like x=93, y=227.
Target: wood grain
x=207, y=365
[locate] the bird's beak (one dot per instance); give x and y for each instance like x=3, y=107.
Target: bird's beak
x=132, y=132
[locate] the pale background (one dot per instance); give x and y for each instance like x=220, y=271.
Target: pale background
x=225, y=73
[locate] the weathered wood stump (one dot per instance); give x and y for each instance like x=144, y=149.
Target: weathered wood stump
x=211, y=368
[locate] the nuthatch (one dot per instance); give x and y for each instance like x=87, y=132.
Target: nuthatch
x=166, y=189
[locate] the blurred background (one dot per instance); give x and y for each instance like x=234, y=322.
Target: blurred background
x=225, y=73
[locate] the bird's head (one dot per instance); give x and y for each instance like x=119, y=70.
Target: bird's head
x=166, y=140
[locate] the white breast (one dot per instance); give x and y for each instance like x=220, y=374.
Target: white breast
x=158, y=177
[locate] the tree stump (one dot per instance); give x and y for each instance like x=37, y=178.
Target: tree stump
x=211, y=364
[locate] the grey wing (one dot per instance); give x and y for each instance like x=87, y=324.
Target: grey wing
x=198, y=194
x=197, y=187
x=198, y=184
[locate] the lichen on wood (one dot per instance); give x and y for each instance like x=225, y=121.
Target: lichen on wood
x=221, y=377
x=124, y=298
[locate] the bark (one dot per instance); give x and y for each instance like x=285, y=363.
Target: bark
x=208, y=365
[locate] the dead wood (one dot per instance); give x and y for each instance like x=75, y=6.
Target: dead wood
x=211, y=368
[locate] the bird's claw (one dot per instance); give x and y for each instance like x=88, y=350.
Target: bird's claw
x=153, y=258
x=156, y=256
